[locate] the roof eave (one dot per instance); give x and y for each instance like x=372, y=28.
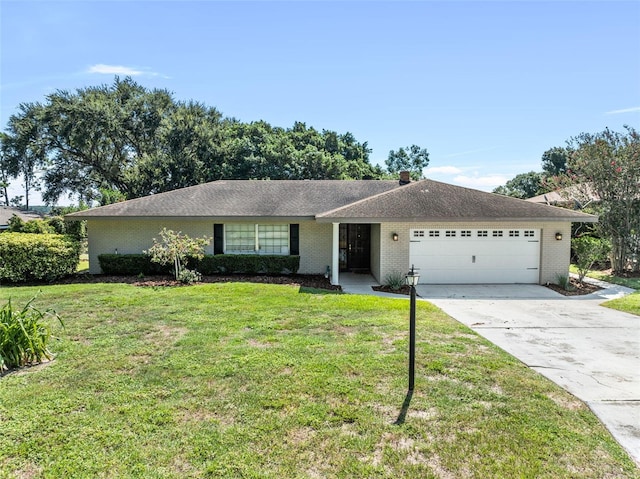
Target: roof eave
x=423, y=219
x=289, y=219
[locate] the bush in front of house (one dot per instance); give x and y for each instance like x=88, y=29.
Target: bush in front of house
x=131, y=265
x=37, y=257
x=248, y=264
x=135, y=264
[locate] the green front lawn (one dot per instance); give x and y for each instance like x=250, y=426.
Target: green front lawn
x=261, y=381
x=633, y=283
x=628, y=304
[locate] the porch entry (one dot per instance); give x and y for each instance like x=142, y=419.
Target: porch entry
x=355, y=247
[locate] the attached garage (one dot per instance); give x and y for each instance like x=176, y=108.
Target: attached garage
x=472, y=256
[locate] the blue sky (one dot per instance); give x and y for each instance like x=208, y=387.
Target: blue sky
x=485, y=87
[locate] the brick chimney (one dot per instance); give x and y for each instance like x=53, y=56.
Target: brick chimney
x=405, y=178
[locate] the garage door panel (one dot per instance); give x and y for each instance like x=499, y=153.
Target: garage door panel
x=472, y=258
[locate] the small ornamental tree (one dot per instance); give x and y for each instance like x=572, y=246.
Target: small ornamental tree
x=177, y=248
x=588, y=250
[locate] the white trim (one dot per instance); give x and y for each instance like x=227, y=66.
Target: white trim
x=335, y=254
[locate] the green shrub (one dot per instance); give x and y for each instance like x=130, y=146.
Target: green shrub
x=131, y=265
x=15, y=224
x=58, y=224
x=188, y=276
x=395, y=280
x=24, y=335
x=564, y=281
x=136, y=264
x=248, y=264
x=37, y=227
x=37, y=257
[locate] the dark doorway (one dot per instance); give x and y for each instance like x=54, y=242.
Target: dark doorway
x=355, y=247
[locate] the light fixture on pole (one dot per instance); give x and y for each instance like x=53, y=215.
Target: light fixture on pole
x=412, y=280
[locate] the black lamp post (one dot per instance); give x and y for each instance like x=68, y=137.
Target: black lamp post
x=412, y=280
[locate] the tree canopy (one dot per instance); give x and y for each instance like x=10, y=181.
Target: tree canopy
x=524, y=185
x=412, y=159
x=125, y=141
x=607, y=164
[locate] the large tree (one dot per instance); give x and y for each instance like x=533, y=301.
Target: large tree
x=4, y=169
x=607, y=164
x=524, y=185
x=24, y=149
x=412, y=159
x=125, y=138
x=554, y=161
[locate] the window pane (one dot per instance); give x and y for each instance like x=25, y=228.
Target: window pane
x=240, y=238
x=273, y=239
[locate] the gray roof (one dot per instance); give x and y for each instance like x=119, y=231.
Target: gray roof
x=246, y=198
x=334, y=200
x=6, y=212
x=429, y=200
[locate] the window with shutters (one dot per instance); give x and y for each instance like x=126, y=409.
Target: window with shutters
x=254, y=238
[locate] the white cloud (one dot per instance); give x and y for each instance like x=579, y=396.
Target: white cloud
x=103, y=69
x=487, y=182
x=443, y=170
x=624, y=110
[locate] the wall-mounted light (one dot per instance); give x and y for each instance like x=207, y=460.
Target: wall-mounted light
x=394, y=236
x=558, y=236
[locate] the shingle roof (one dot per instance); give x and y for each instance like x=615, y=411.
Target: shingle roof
x=6, y=212
x=429, y=200
x=335, y=200
x=246, y=198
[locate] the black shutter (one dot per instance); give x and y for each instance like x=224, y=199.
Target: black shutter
x=294, y=239
x=218, y=238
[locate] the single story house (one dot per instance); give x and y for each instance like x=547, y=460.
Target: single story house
x=7, y=212
x=452, y=234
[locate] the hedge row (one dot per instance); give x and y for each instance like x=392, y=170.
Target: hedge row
x=134, y=264
x=37, y=257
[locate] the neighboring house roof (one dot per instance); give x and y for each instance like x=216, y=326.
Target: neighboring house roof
x=576, y=195
x=6, y=212
x=333, y=200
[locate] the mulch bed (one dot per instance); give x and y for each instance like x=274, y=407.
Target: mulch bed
x=388, y=289
x=301, y=280
x=576, y=288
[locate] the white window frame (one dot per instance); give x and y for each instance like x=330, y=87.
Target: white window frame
x=258, y=237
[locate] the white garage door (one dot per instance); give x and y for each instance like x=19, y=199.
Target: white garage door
x=472, y=256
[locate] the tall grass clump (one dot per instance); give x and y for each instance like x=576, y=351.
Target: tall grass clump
x=24, y=335
x=395, y=280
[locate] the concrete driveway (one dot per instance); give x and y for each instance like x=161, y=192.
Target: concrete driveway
x=591, y=351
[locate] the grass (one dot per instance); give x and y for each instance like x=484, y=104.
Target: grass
x=628, y=304
x=83, y=265
x=633, y=283
x=262, y=381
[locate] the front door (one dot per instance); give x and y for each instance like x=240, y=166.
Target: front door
x=355, y=247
